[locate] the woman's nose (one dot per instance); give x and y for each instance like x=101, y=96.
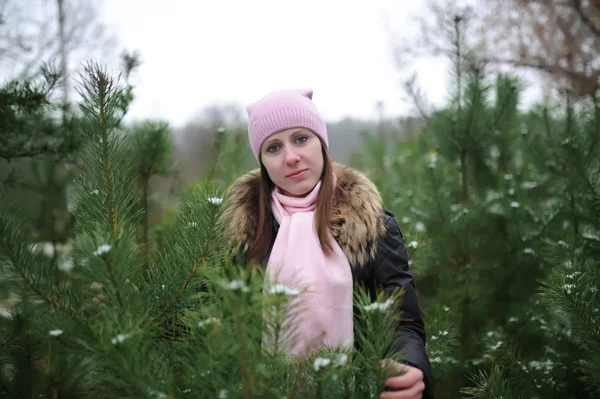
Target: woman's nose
x=291, y=157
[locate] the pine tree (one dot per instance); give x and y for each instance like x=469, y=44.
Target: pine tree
x=26, y=126
x=501, y=207
x=40, y=142
x=563, y=316
x=234, y=156
x=177, y=319
x=36, y=145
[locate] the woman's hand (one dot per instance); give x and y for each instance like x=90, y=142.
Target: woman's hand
x=409, y=385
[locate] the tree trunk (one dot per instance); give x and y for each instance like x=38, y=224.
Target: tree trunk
x=63, y=50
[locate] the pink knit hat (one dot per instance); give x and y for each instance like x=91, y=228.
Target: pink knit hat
x=281, y=110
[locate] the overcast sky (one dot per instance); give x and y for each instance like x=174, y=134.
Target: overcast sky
x=200, y=53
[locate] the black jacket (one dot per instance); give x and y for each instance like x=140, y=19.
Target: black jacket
x=369, y=236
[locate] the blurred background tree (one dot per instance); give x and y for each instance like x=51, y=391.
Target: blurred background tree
x=555, y=42
x=43, y=44
x=501, y=204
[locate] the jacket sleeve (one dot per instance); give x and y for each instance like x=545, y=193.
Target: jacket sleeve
x=391, y=273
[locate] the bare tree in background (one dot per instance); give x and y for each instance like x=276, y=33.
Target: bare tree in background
x=67, y=32
x=43, y=45
x=559, y=38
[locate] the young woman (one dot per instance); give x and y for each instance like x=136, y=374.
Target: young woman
x=321, y=225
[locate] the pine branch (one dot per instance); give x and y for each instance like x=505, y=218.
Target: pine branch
x=437, y=196
x=27, y=128
x=181, y=289
x=490, y=386
x=150, y=148
x=499, y=115
x=247, y=381
x=473, y=108
x=113, y=280
x=542, y=231
x=596, y=134
x=33, y=150
x=31, y=270
x=463, y=169
x=103, y=96
x=145, y=223
x=534, y=153
x=52, y=301
x=102, y=93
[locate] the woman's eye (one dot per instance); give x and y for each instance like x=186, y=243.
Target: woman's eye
x=272, y=148
x=302, y=139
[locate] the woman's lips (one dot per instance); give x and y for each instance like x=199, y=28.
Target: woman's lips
x=298, y=174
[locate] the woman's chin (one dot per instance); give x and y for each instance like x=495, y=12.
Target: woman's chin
x=300, y=189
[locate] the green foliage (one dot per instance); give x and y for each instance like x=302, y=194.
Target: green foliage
x=502, y=206
x=570, y=293
x=492, y=386
x=40, y=140
x=233, y=157
x=27, y=126
x=117, y=318
x=151, y=147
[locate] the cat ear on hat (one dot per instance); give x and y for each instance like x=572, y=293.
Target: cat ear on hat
x=249, y=108
x=306, y=93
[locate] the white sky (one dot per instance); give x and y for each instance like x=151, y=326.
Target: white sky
x=200, y=53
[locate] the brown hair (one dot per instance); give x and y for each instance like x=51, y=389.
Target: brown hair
x=261, y=245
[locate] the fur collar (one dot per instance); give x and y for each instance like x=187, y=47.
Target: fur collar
x=357, y=220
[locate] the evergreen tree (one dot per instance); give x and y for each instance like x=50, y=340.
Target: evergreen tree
x=554, y=353
x=40, y=140
x=37, y=149
x=233, y=156
x=502, y=208
x=26, y=124
x=35, y=145
x=151, y=332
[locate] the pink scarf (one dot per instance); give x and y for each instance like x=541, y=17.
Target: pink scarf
x=298, y=262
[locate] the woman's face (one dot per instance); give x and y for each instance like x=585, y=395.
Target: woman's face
x=293, y=159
